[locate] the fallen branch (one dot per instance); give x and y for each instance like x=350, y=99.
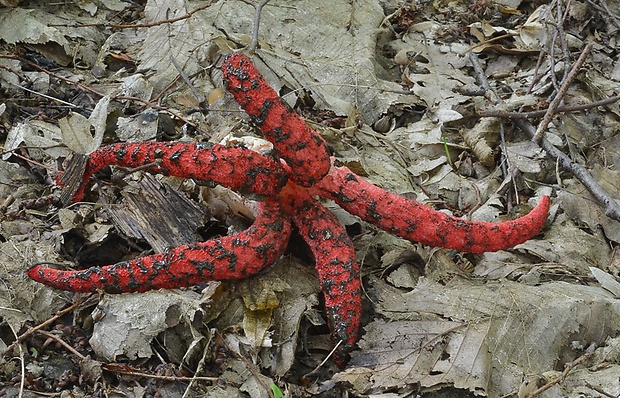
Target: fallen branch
x=542, y=126
x=258, y=8
x=610, y=206
x=34, y=329
x=567, y=368
x=560, y=109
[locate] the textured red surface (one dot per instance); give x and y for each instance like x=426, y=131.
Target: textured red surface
x=302, y=148
x=231, y=257
x=419, y=223
x=237, y=168
x=335, y=262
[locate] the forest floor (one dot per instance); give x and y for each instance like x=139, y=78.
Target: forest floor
x=474, y=108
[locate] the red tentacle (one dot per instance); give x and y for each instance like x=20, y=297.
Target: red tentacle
x=303, y=148
x=237, y=168
x=336, y=265
x=419, y=223
x=231, y=257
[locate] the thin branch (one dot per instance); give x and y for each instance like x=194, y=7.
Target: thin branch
x=70, y=105
x=62, y=343
x=611, y=16
x=610, y=206
x=600, y=391
x=560, y=109
x=540, y=131
x=22, y=378
x=537, y=76
x=492, y=96
x=126, y=370
x=185, y=78
x=137, y=25
x=258, y=8
x=34, y=329
x=567, y=368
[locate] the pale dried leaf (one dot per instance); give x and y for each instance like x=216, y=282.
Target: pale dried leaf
x=579, y=205
x=512, y=4
x=136, y=86
x=295, y=287
x=385, y=170
x=477, y=138
x=438, y=75
x=76, y=133
x=607, y=281
x=98, y=119
x=525, y=156
x=15, y=137
x=130, y=322
x=19, y=25
x=114, y=5
x=534, y=33
x=183, y=40
x=21, y=299
x=573, y=248
x=41, y=138
x=427, y=166
x=425, y=132
x=573, y=385
x=486, y=335
x=53, y=34
x=137, y=128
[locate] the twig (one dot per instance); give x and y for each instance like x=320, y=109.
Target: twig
x=22, y=379
x=48, y=97
x=560, y=109
x=138, y=25
x=610, y=206
x=537, y=76
x=61, y=342
x=492, y=96
x=550, y=46
x=324, y=361
x=540, y=131
x=15, y=153
x=559, y=34
x=258, y=8
x=482, y=79
x=126, y=370
x=600, y=391
x=199, y=367
x=33, y=329
x=615, y=19
x=185, y=78
x=567, y=368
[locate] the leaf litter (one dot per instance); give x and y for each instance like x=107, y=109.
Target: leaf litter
x=435, y=328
